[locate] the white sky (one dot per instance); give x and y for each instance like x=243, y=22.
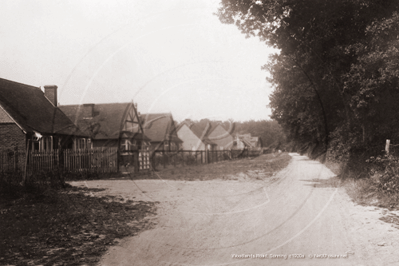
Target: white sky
x=165, y=55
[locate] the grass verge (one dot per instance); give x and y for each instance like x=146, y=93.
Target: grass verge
x=259, y=167
x=66, y=227
x=365, y=192
x=367, y=187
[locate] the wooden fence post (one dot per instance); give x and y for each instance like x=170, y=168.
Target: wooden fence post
x=387, y=146
x=26, y=163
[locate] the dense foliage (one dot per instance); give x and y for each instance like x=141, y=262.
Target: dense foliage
x=336, y=74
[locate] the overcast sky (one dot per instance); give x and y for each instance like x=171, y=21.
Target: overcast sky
x=165, y=55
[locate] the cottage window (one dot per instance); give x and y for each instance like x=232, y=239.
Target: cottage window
x=166, y=145
x=82, y=144
x=172, y=146
x=128, y=145
x=35, y=145
x=44, y=144
x=125, y=145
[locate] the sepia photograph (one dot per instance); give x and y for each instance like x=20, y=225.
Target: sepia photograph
x=199, y=132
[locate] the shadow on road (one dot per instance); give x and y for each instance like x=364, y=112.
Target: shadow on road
x=332, y=182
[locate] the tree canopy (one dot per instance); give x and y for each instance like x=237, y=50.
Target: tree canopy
x=335, y=77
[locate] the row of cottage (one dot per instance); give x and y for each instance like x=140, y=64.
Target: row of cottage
x=32, y=119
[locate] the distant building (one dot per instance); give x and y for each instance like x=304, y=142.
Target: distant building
x=161, y=130
x=220, y=136
x=204, y=135
x=194, y=137
x=247, y=141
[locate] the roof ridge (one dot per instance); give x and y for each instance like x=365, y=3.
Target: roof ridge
x=19, y=83
x=82, y=104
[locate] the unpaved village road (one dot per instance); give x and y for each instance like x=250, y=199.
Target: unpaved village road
x=293, y=212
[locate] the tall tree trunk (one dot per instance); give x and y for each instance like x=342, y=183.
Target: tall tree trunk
x=365, y=133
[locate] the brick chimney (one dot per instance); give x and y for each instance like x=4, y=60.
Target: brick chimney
x=50, y=91
x=88, y=110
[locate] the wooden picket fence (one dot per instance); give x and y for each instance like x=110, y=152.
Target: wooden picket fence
x=98, y=159
x=105, y=160
x=102, y=160
x=42, y=161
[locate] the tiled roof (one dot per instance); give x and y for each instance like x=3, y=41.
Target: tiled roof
x=105, y=122
x=249, y=140
x=202, y=132
x=189, y=123
x=201, y=129
x=160, y=127
x=32, y=111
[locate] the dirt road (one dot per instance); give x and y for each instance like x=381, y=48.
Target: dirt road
x=294, y=218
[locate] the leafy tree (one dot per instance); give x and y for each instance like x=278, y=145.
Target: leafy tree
x=336, y=65
x=373, y=80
